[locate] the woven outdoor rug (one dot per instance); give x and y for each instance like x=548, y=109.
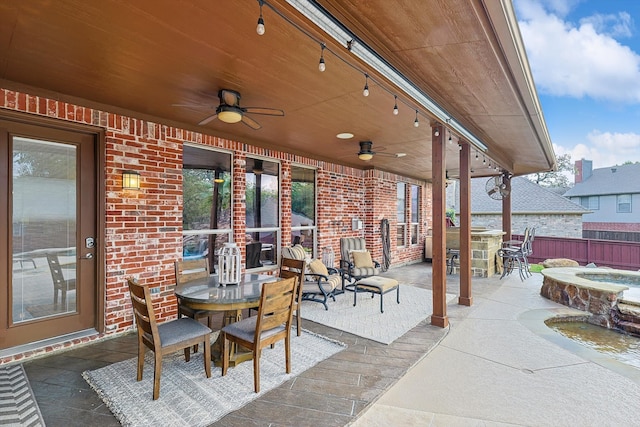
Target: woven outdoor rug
x=187, y=396
x=365, y=319
x=18, y=407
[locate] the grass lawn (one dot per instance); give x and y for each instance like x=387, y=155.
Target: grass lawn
x=535, y=268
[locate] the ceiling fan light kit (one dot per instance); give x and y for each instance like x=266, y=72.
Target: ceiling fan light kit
x=229, y=110
x=229, y=114
x=365, y=156
x=365, y=152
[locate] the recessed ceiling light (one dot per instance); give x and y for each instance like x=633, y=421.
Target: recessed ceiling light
x=345, y=135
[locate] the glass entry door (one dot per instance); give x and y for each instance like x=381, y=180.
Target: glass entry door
x=50, y=234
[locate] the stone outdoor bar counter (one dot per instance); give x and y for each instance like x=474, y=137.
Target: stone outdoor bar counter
x=484, y=245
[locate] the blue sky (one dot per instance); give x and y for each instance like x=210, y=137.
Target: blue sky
x=585, y=60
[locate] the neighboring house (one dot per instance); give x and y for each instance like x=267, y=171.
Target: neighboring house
x=531, y=206
x=612, y=194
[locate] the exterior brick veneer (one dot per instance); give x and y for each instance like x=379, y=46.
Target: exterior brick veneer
x=143, y=229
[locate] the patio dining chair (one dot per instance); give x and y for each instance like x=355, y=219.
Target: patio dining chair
x=165, y=338
x=60, y=284
x=272, y=324
x=516, y=257
x=290, y=267
x=187, y=271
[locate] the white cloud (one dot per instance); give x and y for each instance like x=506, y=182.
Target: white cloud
x=579, y=60
x=604, y=149
x=620, y=25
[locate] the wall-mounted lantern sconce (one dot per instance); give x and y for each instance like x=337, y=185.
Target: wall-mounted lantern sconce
x=130, y=180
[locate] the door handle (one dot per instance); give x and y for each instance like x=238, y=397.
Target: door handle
x=88, y=256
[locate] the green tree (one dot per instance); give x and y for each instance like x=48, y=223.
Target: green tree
x=302, y=198
x=559, y=178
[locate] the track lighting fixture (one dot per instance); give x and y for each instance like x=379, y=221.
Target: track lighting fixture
x=437, y=132
x=395, y=107
x=416, y=123
x=450, y=141
x=365, y=91
x=321, y=64
x=260, y=27
x=476, y=155
x=484, y=160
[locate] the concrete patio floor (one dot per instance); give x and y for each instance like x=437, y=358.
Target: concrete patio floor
x=497, y=364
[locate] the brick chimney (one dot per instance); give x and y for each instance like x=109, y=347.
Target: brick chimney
x=583, y=170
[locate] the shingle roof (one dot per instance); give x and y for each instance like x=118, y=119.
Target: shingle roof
x=526, y=197
x=625, y=180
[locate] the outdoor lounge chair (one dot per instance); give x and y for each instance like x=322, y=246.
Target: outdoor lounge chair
x=355, y=260
x=321, y=282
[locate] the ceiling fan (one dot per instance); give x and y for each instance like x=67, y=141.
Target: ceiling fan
x=366, y=153
x=230, y=111
x=496, y=187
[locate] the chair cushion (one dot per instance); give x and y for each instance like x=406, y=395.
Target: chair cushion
x=246, y=329
x=349, y=244
x=294, y=252
x=367, y=271
x=180, y=330
x=316, y=266
x=362, y=259
x=311, y=287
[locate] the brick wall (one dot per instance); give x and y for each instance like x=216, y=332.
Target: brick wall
x=143, y=229
x=562, y=225
x=611, y=226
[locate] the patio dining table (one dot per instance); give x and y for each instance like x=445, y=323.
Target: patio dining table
x=208, y=294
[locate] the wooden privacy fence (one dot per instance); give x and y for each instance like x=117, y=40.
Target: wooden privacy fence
x=609, y=253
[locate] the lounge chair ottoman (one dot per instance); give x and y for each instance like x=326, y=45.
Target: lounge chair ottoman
x=376, y=285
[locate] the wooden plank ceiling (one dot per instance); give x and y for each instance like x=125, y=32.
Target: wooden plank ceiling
x=142, y=57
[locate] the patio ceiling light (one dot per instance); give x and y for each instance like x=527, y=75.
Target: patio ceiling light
x=260, y=27
x=343, y=35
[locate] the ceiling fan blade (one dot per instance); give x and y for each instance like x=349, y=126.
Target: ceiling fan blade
x=394, y=155
x=229, y=97
x=193, y=106
x=208, y=119
x=263, y=111
x=250, y=122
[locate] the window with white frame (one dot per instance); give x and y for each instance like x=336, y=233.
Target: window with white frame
x=415, y=213
x=623, y=202
x=206, y=203
x=402, y=214
x=303, y=208
x=263, y=213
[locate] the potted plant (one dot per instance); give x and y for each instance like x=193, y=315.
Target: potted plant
x=451, y=217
